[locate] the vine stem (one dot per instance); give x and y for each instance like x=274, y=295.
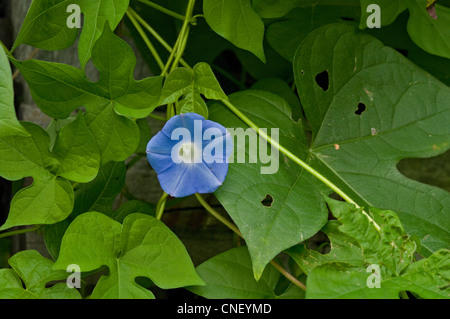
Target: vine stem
x=297, y=160
x=184, y=34
x=231, y=226
x=161, y=205
x=146, y=39
x=163, y=9
x=218, y=216
x=156, y=35
x=20, y=231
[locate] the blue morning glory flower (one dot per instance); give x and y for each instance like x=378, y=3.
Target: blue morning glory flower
x=190, y=155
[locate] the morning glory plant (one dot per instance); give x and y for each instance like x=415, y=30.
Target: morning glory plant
x=190, y=155
x=349, y=109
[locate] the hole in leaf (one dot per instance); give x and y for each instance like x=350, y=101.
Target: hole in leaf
x=320, y=243
x=434, y=171
x=404, y=52
x=361, y=109
x=267, y=201
x=323, y=80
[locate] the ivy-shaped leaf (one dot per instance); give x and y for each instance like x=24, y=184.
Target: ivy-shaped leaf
x=388, y=248
x=58, y=89
x=236, y=21
x=36, y=272
x=141, y=247
x=368, y=112
x=26, y=150
x=432, y=35
x=50, y=198
x=191, y=84
x=229, y=275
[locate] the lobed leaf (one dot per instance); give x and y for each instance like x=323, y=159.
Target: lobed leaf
x=141, y=247
x=36, y=272
x=191, y=84
x=59, y=89
x=363, y=113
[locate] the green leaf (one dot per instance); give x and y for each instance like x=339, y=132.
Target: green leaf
x=131, y=207
x=280, y=87
x=50, y=198
x=285, y=35
x=229, y=275
x=191, y=84
x=432, y=35
x=100, y=193
x=45, y=26
x=97, y=14
x=270, y=9
x=36, y=272
x=389, y=248
x=428, y=278
x=363, y=115
x=59, y=89
x=236, y=21
x=396, y=36
x=297, y=210
x=141, y=247
x=9, y=125
x=342, y=248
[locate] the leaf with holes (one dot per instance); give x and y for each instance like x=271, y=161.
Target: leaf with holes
x=294, y=209
x=369, y=107
x=59, y=89
x=432, y=35
x=236, y=21
x=141, y=247
x=191, y=84
x=35, y=272
x=236, y=279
